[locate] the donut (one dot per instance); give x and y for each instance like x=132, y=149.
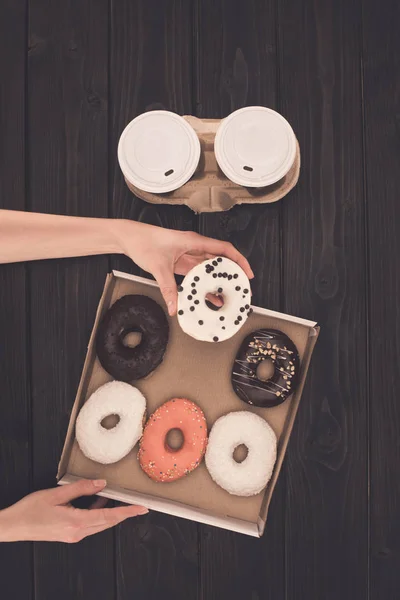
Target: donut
x=250, y=476
x=256, y=347
x=158, y=460
x=108, y=446
x=132, y=313
x=218, y=276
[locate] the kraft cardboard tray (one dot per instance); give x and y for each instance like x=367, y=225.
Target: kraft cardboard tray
x=200, y=371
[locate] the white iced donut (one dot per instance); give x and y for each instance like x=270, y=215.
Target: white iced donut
x=108, y=446
x=249, y=477
x=218, y=276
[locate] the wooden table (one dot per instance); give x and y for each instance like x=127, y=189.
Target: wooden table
x=72, y=75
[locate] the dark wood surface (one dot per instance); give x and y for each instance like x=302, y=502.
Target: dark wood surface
x=381, y=63
x=15, y=411
x=72, y=75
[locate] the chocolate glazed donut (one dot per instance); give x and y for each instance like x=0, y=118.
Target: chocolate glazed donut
x=132, y=313
x=256, y=347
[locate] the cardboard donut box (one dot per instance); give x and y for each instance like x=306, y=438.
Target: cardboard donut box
x=201, y=372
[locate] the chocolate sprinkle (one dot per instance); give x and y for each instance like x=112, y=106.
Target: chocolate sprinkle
x=197, y=278
x=214, y=262
x=214, y=275
x=180, y=312
x=236, y=322
x=197, y=301
x=193, y=284
x=189, y=297
x=222, y=318
x=201, y=322
x=247, y=306
x=192, y=308
x=180, y=289
x=246, y=291
x=242, y=309
x=219, y=290
x=235, y=276
x=194, y=292
x=219, y=259
x=229, y=277
x=239, y=318
x=215, y=338
x=237, y=288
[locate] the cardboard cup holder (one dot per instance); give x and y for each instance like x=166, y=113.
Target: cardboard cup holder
x=199, y=371
x=230, y=164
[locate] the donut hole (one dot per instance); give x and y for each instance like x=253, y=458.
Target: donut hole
x=240, y=453
x=131, y=338
x=265, y=370
x=110, y=421
x=214, y=301
x=174, y=439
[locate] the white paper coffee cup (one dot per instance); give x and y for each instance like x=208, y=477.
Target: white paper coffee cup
x=255, y=146
x=158, y=152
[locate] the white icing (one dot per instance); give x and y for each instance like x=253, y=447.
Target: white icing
x=230, y=431
x=215, y=323
x=108, y=446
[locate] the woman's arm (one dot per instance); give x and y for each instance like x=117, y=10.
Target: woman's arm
x=31, y=236
x=161, y=252
x=49, y=516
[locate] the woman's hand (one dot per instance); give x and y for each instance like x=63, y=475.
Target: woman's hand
x=48, y=515
x=163, y=252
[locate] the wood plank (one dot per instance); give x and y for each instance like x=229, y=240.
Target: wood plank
x=381, y=71
x=150, y=68
x=68, y=79
x=236, y=68
x=15, y=423
x=325, y=279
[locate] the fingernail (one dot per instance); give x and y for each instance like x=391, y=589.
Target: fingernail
x=99, y=483
x=143, y=511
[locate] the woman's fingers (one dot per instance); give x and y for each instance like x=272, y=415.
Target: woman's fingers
x=215, y=299
x=218, y=248
x=108, y=517
x=100, y=502
x=166, y=280
x=84, y=487
x=198, y=244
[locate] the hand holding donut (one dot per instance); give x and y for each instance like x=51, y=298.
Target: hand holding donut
x=164, y=252
x=161, y=252
x=48, y=515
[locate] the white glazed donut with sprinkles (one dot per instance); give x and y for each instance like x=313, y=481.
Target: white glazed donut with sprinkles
x=217, y=276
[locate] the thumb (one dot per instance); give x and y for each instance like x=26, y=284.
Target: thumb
x=84, y=487
x=166, y=280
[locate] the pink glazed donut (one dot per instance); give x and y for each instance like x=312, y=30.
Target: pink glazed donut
x=157, y=459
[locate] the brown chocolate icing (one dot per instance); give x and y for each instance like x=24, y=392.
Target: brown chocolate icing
x=256, y=347
x=132, y=313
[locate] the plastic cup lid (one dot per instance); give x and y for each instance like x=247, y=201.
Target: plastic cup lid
x=255, y=146
x=158, y=151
